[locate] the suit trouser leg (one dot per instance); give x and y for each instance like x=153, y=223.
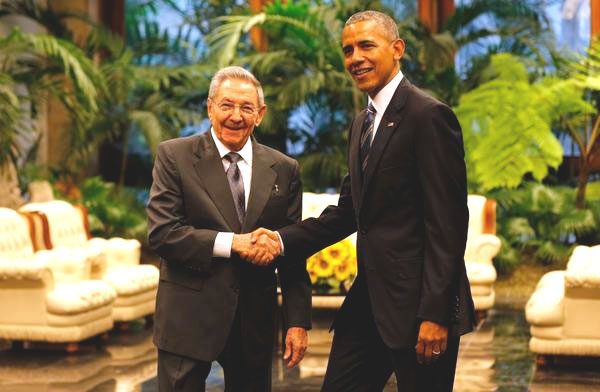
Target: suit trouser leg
x=359, y=360
x=243, y=374
x=435, y=377
x=181, y=374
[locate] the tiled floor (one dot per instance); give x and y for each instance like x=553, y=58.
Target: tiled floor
x=494, y=358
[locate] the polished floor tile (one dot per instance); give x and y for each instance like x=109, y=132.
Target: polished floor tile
x=493, y=358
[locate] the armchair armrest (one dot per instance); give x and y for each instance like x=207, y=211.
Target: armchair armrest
x=29, y=269
x=546, y=304
x=482, y=248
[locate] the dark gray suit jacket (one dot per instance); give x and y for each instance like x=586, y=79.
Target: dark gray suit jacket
x=190, y=202
x=410, y=211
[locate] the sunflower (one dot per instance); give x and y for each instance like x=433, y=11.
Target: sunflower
x=323, y=268
x=343, y=270
x=336, y=253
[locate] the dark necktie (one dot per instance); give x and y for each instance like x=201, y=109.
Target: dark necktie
x=366, y=136
x=236, y=184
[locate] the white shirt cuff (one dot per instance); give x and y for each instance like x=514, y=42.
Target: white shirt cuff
x=280, y=244
x=222, y=246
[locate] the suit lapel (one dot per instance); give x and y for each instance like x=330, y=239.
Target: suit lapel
x=263, y=180
x=354, y=159
x=389, y=123
x=209, y=168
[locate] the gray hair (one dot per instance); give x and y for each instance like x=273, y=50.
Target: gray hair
x=238, y=73
x=384, y=21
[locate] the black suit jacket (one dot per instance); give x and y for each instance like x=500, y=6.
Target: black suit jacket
x=190, y=202
x=410, y=211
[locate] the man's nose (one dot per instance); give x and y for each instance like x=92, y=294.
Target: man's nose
x=236, y=114
x=357, y=57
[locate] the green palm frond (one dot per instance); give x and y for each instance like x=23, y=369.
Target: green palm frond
x=70, y=58
x=225, y=38
x=550, y=252
x=518, y=229
x=579, y=222
x=149, y=125
x=506, y=131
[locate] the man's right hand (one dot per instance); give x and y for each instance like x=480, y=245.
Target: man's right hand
x=258, y=247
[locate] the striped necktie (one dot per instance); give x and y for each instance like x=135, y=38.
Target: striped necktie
x=366, y=136
x=236, y=184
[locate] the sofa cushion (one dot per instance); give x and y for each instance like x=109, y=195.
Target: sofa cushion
x=130, y=280
x=79, y=297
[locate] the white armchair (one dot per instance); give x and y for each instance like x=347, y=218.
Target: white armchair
x=482, y=246
x=47, y=296
x=564, y=310
x=60, y=225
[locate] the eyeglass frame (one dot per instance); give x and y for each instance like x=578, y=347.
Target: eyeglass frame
x=255, y=110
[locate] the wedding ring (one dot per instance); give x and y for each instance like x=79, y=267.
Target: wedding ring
x=435, y=352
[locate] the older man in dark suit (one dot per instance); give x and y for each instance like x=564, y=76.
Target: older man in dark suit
x=406, y=196
x=211, y=304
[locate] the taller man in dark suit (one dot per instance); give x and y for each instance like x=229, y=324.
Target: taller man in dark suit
x=406, y=196
x=211, y=304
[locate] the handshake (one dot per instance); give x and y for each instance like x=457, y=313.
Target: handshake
x=260, y=247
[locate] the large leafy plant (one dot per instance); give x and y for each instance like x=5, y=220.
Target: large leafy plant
x=508, y=124
x=112, y=213
x=33, y=68
x=541, y=222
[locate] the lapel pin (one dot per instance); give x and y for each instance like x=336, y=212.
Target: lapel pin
x=276, y=188
x=390, y=124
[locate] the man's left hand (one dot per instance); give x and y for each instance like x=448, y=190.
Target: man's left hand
x=432, y=342
x=296, y=342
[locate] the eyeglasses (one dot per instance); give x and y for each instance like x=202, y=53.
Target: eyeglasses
x=229, y=107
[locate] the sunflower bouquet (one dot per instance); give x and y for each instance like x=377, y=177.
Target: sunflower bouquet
x=333, y=269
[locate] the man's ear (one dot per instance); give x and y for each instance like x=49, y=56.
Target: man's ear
x=398, y=49
x=209, y=109
x=261, y=114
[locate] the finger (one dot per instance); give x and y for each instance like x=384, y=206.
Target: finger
x=428, y=354
x=444, y=346
x=436, y=352
x=295, y=356
x=288, y=350
x=420, y=351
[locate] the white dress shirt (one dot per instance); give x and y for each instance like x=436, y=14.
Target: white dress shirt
x=223, y=241
x=383, y=98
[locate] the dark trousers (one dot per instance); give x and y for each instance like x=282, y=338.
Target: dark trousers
x=361, y=362
x=182, y=374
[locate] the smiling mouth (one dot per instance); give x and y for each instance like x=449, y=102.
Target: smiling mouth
x=360, y=72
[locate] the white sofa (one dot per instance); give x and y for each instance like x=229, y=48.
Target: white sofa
x=47, y=295
x=482, y=246
x=60, y=225
x=564, y=310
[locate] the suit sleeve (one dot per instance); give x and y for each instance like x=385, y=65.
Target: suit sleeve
x=442, y=173
x=294, y=279
x=168, y=233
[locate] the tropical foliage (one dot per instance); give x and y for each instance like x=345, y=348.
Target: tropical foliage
x=333, y=269
x=111, y=213
x=586, y=75
x=35, y=67
x=542, y=223
x=507, y=124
